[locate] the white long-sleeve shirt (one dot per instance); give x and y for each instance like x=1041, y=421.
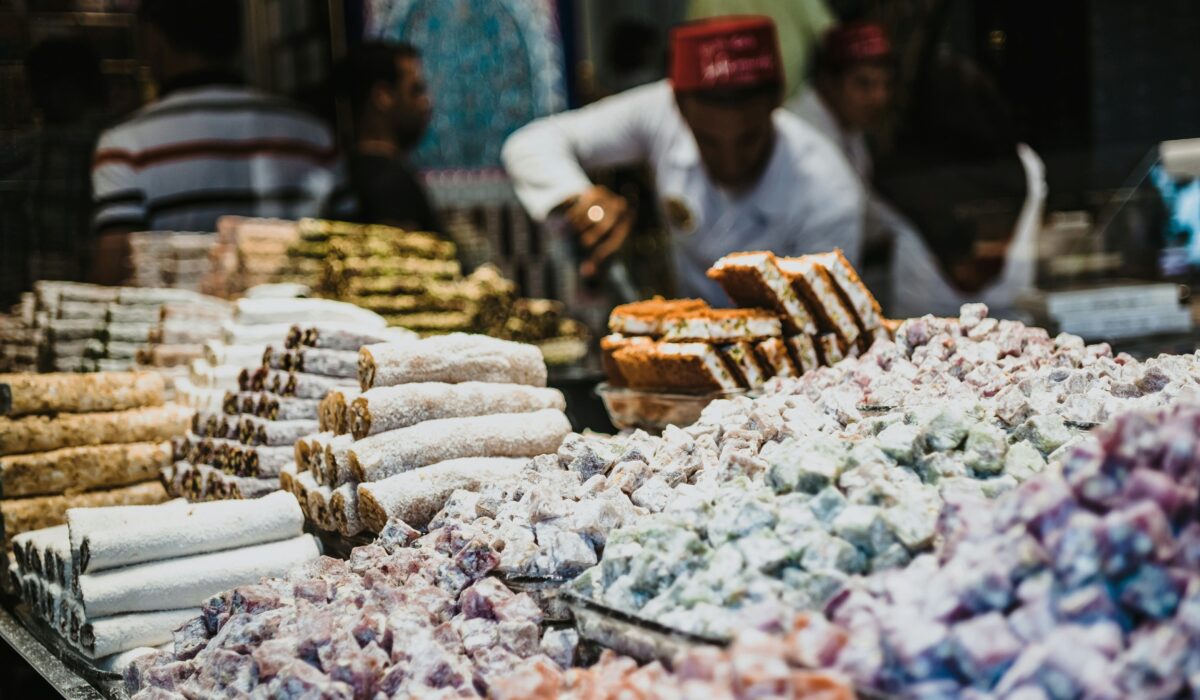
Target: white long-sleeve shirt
x=808, y=199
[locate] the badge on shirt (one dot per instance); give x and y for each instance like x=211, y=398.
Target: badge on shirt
x=678, y=215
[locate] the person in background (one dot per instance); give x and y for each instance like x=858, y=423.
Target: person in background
x=390, y=100
x=209, y=145
x=50, y=209
x=732, y=172
x=800, y=23
x=850, y=93
x=851, y=89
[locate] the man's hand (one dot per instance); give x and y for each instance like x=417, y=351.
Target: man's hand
x=603, y=220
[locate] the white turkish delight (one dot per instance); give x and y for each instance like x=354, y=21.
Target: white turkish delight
x=857, y=525
x=654, y=495
x=629, y=476
x=948, y=427
x=1045, y=432
x=739, y=514
x=1022, y=461
x=809, y=590
x=901, y=442
x=935, y=466
x=827, y=503
x=992, y=488
x=560, y=645
x=985, y=448
x=914, y=526
x=824, y=551
x=764, y=551
x=807, y=467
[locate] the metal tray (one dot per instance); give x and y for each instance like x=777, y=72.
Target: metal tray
x=68, y=672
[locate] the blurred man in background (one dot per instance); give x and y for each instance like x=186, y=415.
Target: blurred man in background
x=732, y=171
x=392, y=107
x=800, y=23
x=209, y=146
x=851, y=89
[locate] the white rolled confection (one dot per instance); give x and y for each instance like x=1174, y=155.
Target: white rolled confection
x=343, y=509
x=105, y=636
x=318, y=507
x=80, y=520
x=28, y=547
x=174, y=583
x=335, y=469
x=196, y=529
x=503, y=435
x=271, y=311
x=416, y=496
x=453, y=358
x=117, y=663
x=389, y=408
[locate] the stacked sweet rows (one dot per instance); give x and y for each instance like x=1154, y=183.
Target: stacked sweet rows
x=115, y=579
x=434, y=415
x=799, y=314
x=240, y=449
x=73, y=440
x=84, y=328
x=170, y=259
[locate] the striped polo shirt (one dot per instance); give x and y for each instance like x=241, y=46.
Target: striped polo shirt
x=203, y=152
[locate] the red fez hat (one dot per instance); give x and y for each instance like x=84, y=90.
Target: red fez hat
x=725, y=52
x=857, y=42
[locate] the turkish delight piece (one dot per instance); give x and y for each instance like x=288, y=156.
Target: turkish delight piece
x=807, y=467
x=984, y=647
x=901, y=442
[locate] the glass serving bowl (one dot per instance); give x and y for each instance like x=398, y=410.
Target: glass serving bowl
x=653, y=411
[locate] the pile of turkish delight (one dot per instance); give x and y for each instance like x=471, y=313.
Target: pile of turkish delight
x=1080, y=584
x=756, y=665
x=400, y=621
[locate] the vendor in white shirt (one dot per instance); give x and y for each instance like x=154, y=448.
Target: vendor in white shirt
x=733, y=172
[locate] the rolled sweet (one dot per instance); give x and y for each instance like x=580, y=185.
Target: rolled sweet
x=253, y=430
x=104, y=636
x=502, y=435
x=81, y=520
x=328, y=363
x=175, y=583
x=82, y=393
x=275, y=407
x=24, y=514
x=416, y=496
x=303, y=385
x=196, y=529
x=390, y=408
x=41, y=434
x=81, y=468
x=28, y=546
x=334, y=469
x=318, y=507
x=333, y=413
x=342, y=337
x=343, y=510
x=453, y=358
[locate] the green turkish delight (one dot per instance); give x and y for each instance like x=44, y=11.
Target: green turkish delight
x=914, y=524
x=808, y=466
x=948, y=427
x=827, y=504
x=824, y=551
x=1023, y=460
x=901, y=442
x=1046, y=432
x=985, y=448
